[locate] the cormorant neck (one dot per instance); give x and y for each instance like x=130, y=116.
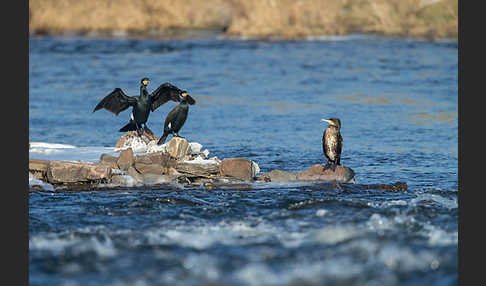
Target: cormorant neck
x=143, y=90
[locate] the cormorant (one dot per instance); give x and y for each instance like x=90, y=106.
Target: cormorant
x=176, y=117
x=332, y=143
x=118, y=101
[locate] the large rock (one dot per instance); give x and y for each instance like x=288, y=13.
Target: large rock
x=73, y=172
x=239, y=168
x=178, y=148
x=126, y=159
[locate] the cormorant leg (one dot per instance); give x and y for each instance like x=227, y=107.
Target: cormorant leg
x=139, y=130
x=145, y=127
x=327, y=166
x=333, y=167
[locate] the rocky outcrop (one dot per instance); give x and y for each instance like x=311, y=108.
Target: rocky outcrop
x=176, y=161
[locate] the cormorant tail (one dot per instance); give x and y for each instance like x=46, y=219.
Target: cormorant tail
x=131, y=126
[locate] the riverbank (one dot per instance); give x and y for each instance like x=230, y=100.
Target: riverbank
x=267, y=19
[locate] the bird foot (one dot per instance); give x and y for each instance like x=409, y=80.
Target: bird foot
x=329, y=166
x=146, y=129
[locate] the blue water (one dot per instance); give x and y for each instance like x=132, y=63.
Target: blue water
x=261, y=100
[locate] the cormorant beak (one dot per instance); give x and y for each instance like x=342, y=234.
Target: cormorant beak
x=184, y=94
x=328, y=121
x=145, y=82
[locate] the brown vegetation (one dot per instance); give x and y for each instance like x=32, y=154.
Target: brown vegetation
x=250, y=18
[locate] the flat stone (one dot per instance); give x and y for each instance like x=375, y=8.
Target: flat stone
x=73, y=172
x=150, y=168
x=239, y=168
x=178, y=148
x=126, y=159
x=38, y=165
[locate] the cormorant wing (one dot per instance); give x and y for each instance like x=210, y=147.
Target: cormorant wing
x=116, y=101
x=164, y=93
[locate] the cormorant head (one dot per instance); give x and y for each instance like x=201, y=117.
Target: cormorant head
x=145, y=81
x=333, y=122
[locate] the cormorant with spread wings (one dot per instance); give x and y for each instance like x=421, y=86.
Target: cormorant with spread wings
x=117, y=101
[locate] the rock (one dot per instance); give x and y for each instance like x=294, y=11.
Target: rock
x=278, y=176
x=178, y=147
x=239, y=168
x=317, y=173
x=126, y=159
x=151, y=179
x=198, y=170
x=71, y=172
x=152, y=147
x=38, y=168
x=154, y=163
x=123, y=180
x=342, y=174
x=38, y=165
x=173, y=171
x=135, y=174
x=139, y=144
x=109, y=160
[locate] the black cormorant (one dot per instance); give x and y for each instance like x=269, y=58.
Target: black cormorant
x=118, y=101
x=176, y=117
x=332, y=143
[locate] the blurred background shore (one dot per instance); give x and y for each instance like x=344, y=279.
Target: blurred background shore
x=268, y=19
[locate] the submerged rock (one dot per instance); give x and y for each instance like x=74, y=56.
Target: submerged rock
x=342, y=174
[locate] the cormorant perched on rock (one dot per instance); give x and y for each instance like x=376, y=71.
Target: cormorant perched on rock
x=332, y=143
x=118, y=101
x=176, y=117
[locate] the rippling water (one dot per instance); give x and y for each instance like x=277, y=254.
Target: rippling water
x=397, y=101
